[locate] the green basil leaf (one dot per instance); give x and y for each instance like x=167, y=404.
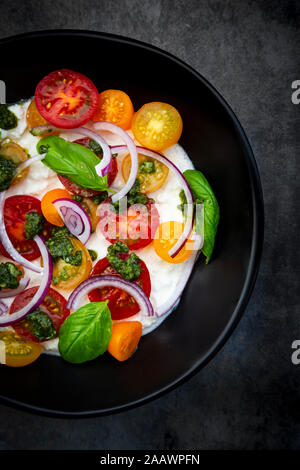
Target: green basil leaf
x=74, y=161
x=203, y=192
x=86, y=333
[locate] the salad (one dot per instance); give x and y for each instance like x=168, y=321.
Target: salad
x=102, y=218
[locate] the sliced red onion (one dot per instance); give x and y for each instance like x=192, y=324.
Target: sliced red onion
x=75, y=218
x=97, y=282
x=6, y=293
x=8, y=245
x=3, y=308
x=187, y=190
x=104, y=165
x=131, y=147
x=29, y=161
x=8, y=319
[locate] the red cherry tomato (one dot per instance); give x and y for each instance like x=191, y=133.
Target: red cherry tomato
x=66, y=99
x=127, y=227
x=86, y=192
x=120, y=304
x=54, y=305
x=15, y=210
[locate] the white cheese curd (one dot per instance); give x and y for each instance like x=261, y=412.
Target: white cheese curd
x=40, y=179
x=20, y=110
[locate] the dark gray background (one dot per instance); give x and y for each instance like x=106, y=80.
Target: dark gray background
x=248, y=396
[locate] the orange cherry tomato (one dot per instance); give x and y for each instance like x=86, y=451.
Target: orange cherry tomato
x=124, y=340
x=150, y=181
x=33, y=117
x=49, y=210
x=116, y=107
x=16, y=351
x=166, y=236
x=157, y=126
x=67, y=276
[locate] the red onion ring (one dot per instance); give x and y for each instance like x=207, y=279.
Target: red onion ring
x=6, y=293
x=104, y=165
x=3, y=308
x=109, y=280
x=8, y=319
x=75, y=218
x=131, y=147
x=188, y=226
x=28, y=162
x=8, y=245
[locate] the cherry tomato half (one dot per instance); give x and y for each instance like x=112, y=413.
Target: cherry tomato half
x=17, y=154
x=15, y=210
x=54, y=305
x=120, y=304
x=68, y=276
x=134, y=228
x=115, y=106
x=86, y=192
x=66, y=99
x=168, y=233
x=150, y=181
x=157, y=125
x=19, y=351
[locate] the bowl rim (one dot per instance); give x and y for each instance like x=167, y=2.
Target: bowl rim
x=257, y=230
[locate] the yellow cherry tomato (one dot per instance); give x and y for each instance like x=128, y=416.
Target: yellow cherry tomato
x=151, y=173
x=166, y=236
x=15, y=153
x=92, y=211
x=49, y=210
x=16, y=351
x=157, y=125
x=65, y=275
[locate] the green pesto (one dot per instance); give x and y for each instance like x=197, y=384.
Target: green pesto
x=77, y=198
x=133, y=197
x=147, y=166
x=7, y=172
x=60, y=246
x=9, y=274
x=95, y=147
x=8, y=120
x=93, y=254
x=103, y=196
x=130, y=269
x=41, y=325
x=33, y=224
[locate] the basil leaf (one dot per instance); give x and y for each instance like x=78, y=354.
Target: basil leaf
x=74, y=161
x=203, y=192
x=86, y=333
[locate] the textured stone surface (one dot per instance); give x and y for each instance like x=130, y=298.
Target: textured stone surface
x=248, y=396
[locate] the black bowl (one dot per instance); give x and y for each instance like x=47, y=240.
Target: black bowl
x=216, y=294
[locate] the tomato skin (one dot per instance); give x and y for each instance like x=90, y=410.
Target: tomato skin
x=49, y=211
x=19, y=352
x=133, y=244
x=115, y=106
x=66, y=99
x=157, y=125
x=15, y=209
x=86, y=192
x=54, y=305
x=120, y=304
